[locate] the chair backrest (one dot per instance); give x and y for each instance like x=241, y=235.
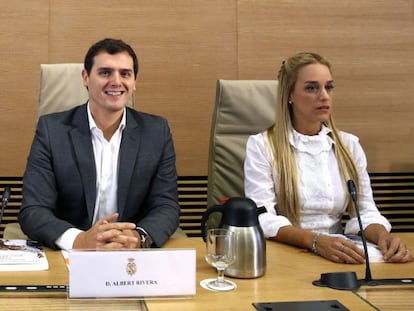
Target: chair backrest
x=242, y=108
x=61, y=88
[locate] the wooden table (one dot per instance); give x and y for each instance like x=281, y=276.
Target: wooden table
x=289, y=276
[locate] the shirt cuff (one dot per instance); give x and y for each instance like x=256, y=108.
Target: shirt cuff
x=66, y=240
x=271, y=224
x=352, y=226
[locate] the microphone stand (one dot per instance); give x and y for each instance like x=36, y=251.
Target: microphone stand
x=348, y=280
x=369, y=281
x=353, y=193
x=5, y=199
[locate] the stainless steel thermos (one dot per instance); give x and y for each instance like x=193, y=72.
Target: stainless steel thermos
x=240, y=216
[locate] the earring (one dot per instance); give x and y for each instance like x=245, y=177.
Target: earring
x=290, y=102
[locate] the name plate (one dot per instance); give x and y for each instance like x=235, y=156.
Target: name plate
x=132, y=273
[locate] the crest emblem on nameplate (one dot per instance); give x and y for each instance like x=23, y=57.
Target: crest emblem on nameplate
x=131, y=267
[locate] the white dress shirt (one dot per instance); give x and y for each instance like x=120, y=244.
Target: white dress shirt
x=106, y=155
x=106, y=163
x=323, y=195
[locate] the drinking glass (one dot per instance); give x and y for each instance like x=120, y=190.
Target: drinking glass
x=220, y=253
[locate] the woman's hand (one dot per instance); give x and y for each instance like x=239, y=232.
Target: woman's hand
x=393, y=249
x=335, y=248
x=340, y=250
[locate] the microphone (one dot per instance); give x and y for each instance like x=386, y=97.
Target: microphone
x=352, y=191
x=348, y=280
x=5, y=199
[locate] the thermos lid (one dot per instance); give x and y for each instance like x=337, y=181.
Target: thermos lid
x=240, y=212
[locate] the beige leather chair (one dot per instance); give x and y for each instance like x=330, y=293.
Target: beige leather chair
x=242, y=108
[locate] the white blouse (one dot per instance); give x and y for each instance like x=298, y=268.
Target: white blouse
x=323, y=195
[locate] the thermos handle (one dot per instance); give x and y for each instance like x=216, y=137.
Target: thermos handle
x=206, y=215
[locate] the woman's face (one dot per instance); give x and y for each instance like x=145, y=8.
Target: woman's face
x=311, y=98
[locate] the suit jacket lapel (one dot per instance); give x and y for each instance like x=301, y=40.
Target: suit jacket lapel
x=127, y=159
x=82, y=144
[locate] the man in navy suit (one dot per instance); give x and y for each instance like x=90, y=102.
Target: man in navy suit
x=102, y=175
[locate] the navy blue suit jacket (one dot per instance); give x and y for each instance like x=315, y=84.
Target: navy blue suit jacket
x=59, y=184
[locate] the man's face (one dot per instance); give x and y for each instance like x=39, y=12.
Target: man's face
x=111, y=81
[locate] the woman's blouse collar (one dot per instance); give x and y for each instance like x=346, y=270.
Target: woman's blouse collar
x=314, y=144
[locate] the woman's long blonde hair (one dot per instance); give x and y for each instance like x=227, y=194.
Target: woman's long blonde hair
x=284, y=157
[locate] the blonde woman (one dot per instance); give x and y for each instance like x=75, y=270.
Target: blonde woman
x=298, y=170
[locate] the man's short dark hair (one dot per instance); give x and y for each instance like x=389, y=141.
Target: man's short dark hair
x=110, y=46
